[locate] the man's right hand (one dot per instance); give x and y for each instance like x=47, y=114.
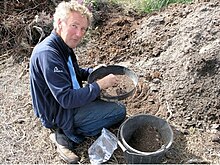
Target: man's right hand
x=107, y=81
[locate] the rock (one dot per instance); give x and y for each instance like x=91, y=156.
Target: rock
x=216, y=138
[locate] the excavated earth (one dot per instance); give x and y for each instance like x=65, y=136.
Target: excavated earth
x=175, y=52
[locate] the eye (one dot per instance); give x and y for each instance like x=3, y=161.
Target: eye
x=74, y=26
x=84, y=30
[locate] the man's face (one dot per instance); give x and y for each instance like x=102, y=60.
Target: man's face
x=73, y=29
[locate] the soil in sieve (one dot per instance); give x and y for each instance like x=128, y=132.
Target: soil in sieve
x=146, y=139
x=125, y=85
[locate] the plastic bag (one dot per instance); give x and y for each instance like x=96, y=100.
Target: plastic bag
x=102, y=149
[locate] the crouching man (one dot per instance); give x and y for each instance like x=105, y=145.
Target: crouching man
x=59, y=99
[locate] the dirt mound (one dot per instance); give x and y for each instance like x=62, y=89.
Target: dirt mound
x=181, y=44
x=187, y=51
x=175, y=53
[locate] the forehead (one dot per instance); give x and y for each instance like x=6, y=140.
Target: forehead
x=76, y=17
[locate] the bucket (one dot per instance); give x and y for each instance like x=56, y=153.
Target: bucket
x=116, y=70
x=128, y=128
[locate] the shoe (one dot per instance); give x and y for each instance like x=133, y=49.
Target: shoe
x=64, y=146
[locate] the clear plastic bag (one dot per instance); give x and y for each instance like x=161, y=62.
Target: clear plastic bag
x=102, y=149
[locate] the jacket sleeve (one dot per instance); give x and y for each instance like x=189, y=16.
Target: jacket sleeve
x=58, y=79
x=85, y=73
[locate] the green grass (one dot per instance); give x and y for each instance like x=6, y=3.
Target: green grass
x=152, y=5
x=146, y=6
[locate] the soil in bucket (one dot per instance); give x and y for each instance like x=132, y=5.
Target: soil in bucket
x=125, y=85
x=146, y=139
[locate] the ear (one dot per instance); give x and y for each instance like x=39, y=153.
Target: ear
x=59, y=24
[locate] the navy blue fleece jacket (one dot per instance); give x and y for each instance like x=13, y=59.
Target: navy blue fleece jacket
x=53, y=95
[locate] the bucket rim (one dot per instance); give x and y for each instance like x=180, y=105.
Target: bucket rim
x=133, y=150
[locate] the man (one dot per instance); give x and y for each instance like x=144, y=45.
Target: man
x=59, y=99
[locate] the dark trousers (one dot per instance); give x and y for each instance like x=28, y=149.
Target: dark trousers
x=91, y=118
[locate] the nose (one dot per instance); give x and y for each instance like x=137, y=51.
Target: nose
x=79, y=32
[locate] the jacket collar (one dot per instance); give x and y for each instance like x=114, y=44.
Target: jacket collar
x=62, y=44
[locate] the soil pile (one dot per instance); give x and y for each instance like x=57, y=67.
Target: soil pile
x=176, y=54
x=189, y=63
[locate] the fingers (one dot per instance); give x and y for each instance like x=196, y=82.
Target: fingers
x=113, y=80
x=108, y=81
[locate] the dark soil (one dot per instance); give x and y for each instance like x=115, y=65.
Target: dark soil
x=146, y=139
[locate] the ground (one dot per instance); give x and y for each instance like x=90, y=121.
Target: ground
x=175, y=52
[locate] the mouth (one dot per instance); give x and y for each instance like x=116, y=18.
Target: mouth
x=76, y=40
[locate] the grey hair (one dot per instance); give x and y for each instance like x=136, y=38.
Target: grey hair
x=64, y=8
